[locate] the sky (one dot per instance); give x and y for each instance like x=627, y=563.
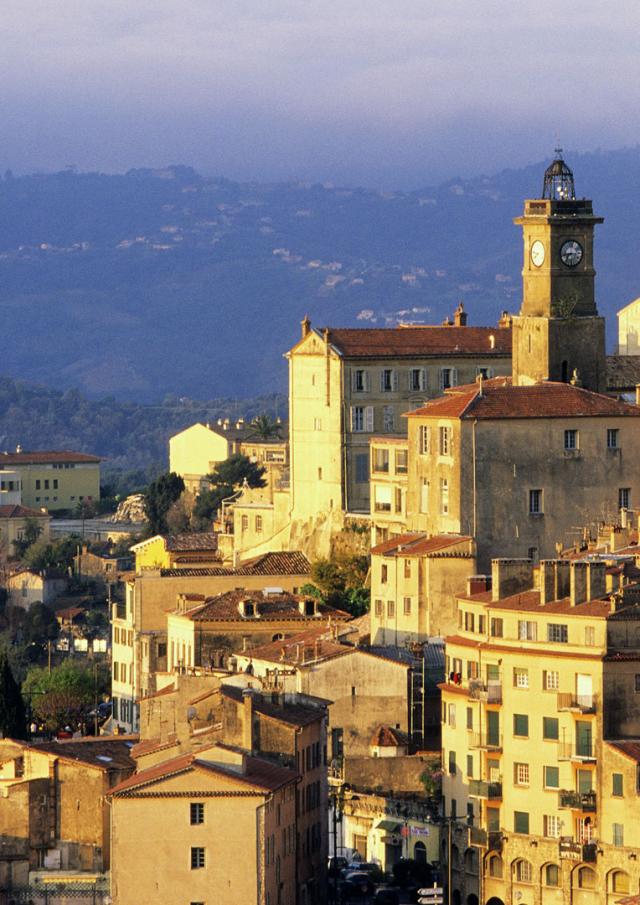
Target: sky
x=383, y=93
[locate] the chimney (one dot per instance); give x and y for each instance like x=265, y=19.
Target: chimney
x=554, y=580
x=478, y=584
x=510, y=576
x=247, y=719
x=578, y=588
x=460, y=316
x=305, y=326
x=596, y=580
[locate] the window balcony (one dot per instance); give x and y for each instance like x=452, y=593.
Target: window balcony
x=577, y=801
x=479, y=788
x=577, y=703
x=582, y=753
x=488, y=692
x=488, y=741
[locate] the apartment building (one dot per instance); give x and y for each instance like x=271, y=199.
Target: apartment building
x=388, y=478
x=55, y=479
x=540, y=677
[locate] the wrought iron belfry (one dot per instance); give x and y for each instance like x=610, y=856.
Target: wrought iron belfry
x=558, y=180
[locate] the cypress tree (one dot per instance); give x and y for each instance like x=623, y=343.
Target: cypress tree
x=13, y=718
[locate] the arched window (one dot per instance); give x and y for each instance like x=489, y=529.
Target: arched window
x=420, y=853
x=470, y=860
x=279, y=636
x=495, y=866
x=522, y=871
x=586, y=878
x=455, y=856
x=619, y=881
x=551, y=875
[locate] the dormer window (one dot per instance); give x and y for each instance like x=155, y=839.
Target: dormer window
x=308, y=607
x=247, y=609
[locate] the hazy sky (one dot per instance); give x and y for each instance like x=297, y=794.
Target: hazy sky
x=377, y=92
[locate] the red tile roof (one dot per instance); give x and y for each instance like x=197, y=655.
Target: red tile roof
x=194, y=541
x=421, y=342
x=300, y=649
x=18, y=511
x=287, y=562
x=418, y=544
x=268, y=606
x=630, y=748
x=45, y=457
x=294, y=712
x=530, y=601
x=500, y=399
x=388, y=737
x=102, y=753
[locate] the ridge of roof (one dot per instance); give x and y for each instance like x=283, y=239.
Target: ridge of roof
x=38, y=457
x=419, y=341
x=17, y=510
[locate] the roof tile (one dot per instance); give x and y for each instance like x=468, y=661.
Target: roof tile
x=421, y=341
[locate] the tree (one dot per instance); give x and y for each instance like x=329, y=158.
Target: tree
x=39, y=625
x=225, y=479
x=262, y=427
x=159, y=497
x=13, y=719
x=340, y=582
x=30, y=535
x=63, y=696
x=43, y=555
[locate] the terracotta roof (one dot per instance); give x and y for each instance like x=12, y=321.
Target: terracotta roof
x=300, y=649
x=287, y=562
x=102, y=753
x=294, y=713
x=187, y=542
x=259, y=773
x=421, y=342
x=70, y=612
x=499, y=399
x=168, y=689
x=18, y=511
x=150, y=745
x=269, y=606
x=529, y=601
x=388, y=737
x=630, y=748
x=44, y=457
x=418, y=544
x=623, y=372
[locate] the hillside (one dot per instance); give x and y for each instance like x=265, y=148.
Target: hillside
x=159, y=282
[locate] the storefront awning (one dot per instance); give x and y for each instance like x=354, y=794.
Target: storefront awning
x=389, y=825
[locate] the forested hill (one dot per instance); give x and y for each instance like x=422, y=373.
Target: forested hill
x=159, y=282
x=131, y=436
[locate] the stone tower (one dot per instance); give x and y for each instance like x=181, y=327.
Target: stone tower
x=558, y=335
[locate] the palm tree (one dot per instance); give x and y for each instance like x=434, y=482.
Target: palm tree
x=262, y=427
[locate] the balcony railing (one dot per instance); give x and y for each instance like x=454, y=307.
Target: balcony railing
x=489, y=692
x=489, y=740
x=479, y=788
x=582, y=752
x=578, y=703
x=577, y=801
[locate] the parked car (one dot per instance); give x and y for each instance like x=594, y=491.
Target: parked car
x=387, y=895
x=336, y=865
x=356, y=884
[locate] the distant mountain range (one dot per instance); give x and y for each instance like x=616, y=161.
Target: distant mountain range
x=166, y=282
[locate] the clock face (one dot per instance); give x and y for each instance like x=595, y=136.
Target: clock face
x=571, y=253
x=537, y=253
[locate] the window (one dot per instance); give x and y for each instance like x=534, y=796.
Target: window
x=391, y=609
x=527, y=631
x=362, y=418
x=521, y=822
x=360, y=381
x=469, y=622
x=388, y=380
x=557, y=633
x=448, y=378
x=424, y=495
x=617, y=833
x=520, y=677
x=551, y=777
x=407, y=606
x=244, y=523
x=317, y=424
x=362, y=468
x=452, y=715
x=197, y=857
x=380, y=461
x=616, y=784
x=620, y=882
x=551, y=680
x=552, y=875
x=388, y=419
x=485, y=373
x=399, y=494
x=551, y=826
x=378, y=607
x=586, y=878
x=320, y=474
x=417, y=380
x=521, y=725
x=424, y=437
x=535, y=502
x=612, y=438
x=259, y=522
x=55, y=483
x=445, y=441
x=550, y=728
x=384, y=574
x=407, y=568
x=444, y=496
x=452, y=763
x=470, y=720
x=496, y=628
x=534, y=555
x=624, y=498
x=637, y=683
x=402, y=459
x=196, y=813
x=521, y=774
x=571, y=439
x=38, y=485
x=495, y=866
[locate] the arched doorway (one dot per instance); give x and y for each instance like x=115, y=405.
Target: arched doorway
x=456, y=898
x=494, y=900
x=420, y=853
x=472, y=899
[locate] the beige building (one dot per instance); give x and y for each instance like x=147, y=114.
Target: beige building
x=26, y=587
x=347, y=384
x=541, y=672
x=54, y=480
x=14, y=520
x=197, y=549
x=414, y=578
x=629, y=329
x=388, y=479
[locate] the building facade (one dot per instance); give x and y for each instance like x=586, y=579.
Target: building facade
x=54, y=480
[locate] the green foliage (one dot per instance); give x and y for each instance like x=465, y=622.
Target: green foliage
x=39, y=625
x=56, y=554
x=159, y=498
x=262, y=427
x=235, y=470
x=13, y=721
x=30, y=535
x=64, y=695
x=340, y=583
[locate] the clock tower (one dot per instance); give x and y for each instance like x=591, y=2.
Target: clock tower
x=558, y=335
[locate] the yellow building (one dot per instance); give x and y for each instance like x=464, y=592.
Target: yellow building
x=413, y=581
x=180, y=551
x=539, y=674
x=347, y=384
x=56, y=480
x=388, y=469
x=629, y=329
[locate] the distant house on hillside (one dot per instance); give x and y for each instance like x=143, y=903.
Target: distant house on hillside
x=26, y=586
x=14, y=520
x=54, y=479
